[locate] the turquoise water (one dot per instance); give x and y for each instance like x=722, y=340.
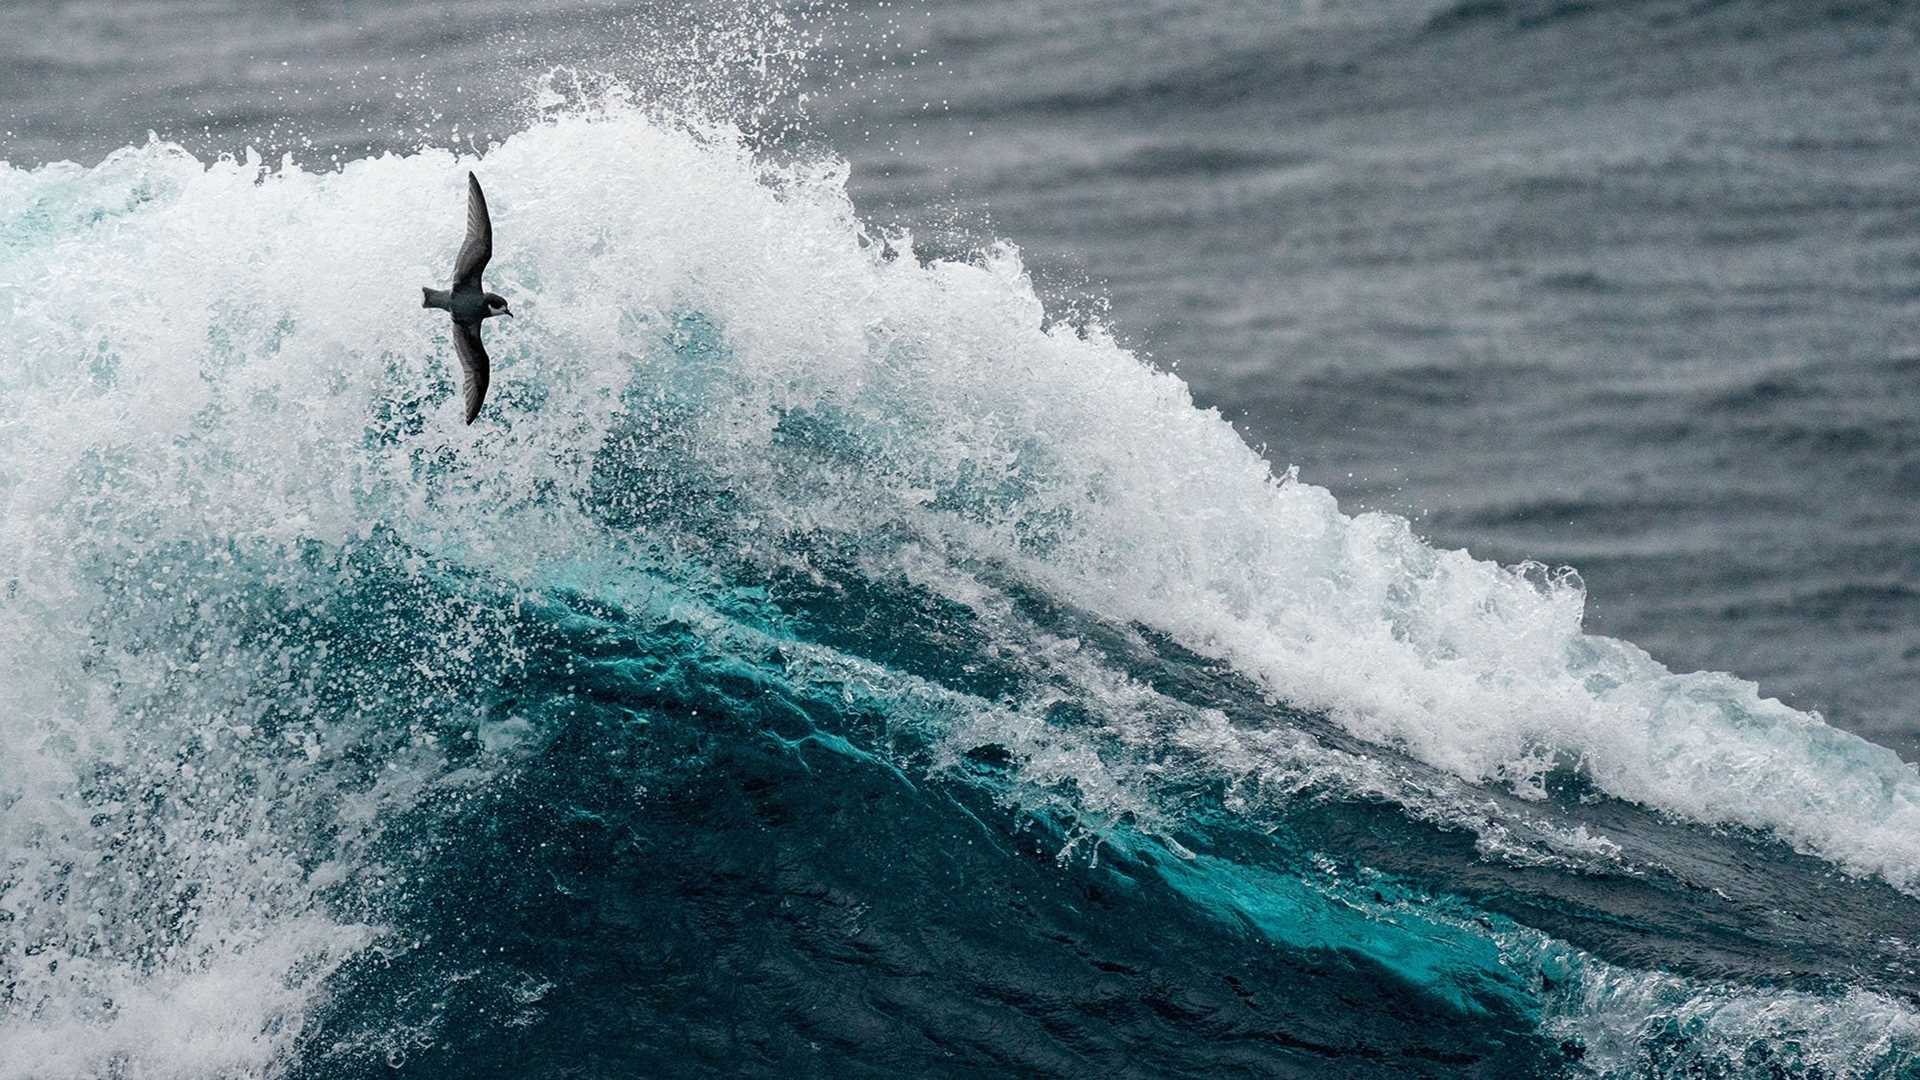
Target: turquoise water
x=815, y=660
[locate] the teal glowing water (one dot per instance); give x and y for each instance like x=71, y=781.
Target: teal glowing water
x=813, y=659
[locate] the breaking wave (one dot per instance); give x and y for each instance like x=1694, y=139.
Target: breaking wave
x=790, y=597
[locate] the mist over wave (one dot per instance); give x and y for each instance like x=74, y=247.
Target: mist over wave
x=316, y=697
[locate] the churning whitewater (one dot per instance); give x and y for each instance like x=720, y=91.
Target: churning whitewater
x=813, y=657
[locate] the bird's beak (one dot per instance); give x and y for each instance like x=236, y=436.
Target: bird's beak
x=509, y=313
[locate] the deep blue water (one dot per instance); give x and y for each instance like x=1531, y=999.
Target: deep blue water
x=851, y=645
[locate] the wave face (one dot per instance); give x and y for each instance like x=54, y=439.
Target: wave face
x=814, y=658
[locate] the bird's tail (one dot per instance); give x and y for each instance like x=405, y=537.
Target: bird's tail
x=436, y=298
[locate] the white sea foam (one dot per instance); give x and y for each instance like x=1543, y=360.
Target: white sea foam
x=964, y=416
x=1653, y=1024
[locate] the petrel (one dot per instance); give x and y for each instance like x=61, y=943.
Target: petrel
x=469, y=304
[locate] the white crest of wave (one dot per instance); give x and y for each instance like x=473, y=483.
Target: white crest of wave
x=219, y=351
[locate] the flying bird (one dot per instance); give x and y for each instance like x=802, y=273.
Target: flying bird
x=469, y=304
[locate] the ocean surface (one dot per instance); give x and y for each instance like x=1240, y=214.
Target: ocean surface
x=1054, y=538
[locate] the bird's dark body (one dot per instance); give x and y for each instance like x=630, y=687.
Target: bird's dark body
x=468, y=303
x=467, y=306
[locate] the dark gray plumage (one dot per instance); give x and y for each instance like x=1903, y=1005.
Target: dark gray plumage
x=469, y=304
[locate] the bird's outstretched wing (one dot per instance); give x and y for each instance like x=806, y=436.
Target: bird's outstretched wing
x=478, y=247
x=473, y=365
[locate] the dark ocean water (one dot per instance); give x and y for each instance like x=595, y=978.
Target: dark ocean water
x=846, y=649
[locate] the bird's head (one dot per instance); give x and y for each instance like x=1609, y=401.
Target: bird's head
x=497, y=305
